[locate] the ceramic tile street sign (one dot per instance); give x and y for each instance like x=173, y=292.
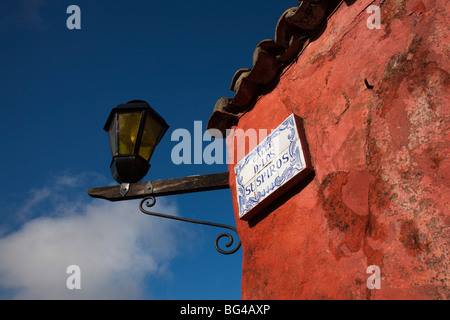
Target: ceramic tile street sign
x=278, y=163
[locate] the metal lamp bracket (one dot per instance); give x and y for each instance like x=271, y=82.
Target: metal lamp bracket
x=149, y=190
x=150, y=201
x=124, y=187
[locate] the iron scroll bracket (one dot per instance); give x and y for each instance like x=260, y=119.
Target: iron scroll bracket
x=148, y=191
x=150, y=201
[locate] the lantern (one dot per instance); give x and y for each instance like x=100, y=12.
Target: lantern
x=134, y=130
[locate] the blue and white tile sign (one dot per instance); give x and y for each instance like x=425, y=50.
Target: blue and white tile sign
x=278, y=161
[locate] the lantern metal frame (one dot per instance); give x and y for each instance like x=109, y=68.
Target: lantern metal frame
x=131, y=167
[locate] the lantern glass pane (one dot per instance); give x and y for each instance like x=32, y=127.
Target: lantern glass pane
x=128, y=131
x=112, y=133
x=152, y=131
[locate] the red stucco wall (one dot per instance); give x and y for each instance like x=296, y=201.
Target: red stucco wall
x=381, y=190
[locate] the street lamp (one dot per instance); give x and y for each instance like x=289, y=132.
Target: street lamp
x=134, y=130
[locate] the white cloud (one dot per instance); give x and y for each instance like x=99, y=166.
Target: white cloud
x=36, y=196
x=114, y=244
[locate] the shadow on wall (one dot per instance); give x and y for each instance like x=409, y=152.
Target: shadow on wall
x=282, y=200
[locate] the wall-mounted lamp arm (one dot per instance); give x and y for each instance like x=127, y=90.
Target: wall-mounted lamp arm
x=164, y=187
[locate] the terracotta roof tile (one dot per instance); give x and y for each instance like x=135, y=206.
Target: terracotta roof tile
x=292, y=32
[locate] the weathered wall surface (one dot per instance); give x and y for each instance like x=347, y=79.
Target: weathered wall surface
x=381, y=190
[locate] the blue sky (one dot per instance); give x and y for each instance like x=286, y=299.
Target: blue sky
x=57, y=87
